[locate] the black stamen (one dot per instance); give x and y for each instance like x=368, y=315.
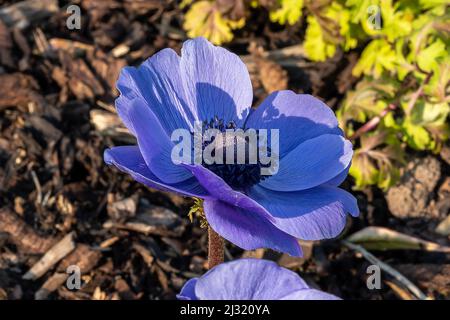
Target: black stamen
x=238, y=176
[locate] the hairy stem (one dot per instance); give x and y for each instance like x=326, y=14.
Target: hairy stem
x=215, y=248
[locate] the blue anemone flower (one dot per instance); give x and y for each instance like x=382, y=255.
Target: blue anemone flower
x=210, y=84
x=250, y=279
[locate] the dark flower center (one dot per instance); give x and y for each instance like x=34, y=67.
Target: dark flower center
x=240, y=175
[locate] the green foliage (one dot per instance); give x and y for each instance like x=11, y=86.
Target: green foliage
x=205, y=19
x=404, y=70
x=376, y=161
x=289, y=11
x=198, y=211
x=369, y=99
x=328, y=28
x=316, y=46
x=425, y=127
x=402, y=97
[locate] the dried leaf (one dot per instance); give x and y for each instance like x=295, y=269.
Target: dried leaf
x=20, y=90
x=375, y=162
x=81, y=81
x=379, y=238
x=205, y=19
x=444, y=227
x=273, y=77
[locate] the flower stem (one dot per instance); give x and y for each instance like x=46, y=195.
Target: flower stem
x=215, y=248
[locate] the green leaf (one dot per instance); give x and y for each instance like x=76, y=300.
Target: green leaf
x=432, y=4
x=369, y=98
x=396, y=23
x=316, y=47
x=330, y=25
x=438, y=86
x=363, y=170
x=289, y=11
x=376, y=161
x=425, y=126
x=376, y=57
x=379, y=238
x=204, y=19
x=198, y=211
x=429, y=58
x=403, y=66
x=359, y=9
x=416, y=136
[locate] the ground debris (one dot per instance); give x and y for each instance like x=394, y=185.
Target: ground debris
x=51, y=257
x=410, y=198
x=23, y=235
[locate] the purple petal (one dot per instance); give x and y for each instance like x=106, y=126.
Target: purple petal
x=311, y=163
x=219, y=189
x=155, y=145
x=217, y=81
x=299, y=117
x=158, y=82
x=129, y=159
x=188, y=290
x=313, y=214
x=122, y=107
x=310, y=294
x=244, y=214
x=248, y=230
x=337, y=180
x=248, y=279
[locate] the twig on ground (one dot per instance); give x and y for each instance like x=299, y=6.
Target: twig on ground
x=22, y=235
x=83, y=257
x=38, y=187
x=55, y=254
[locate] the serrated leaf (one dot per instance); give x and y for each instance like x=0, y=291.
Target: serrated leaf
x=347, y=30
x=438, y=87
x=203, y=19
x=417, y=137
x=403, y=66
x=377, y=57
x=363, y=170
x=429, y=114
x=368, y=99
x=396, y=23
x=317, y=49
x=289, y=11
x=425, y=126
x=379, y=238
x=376, y=161
x=328, y=27
x=427, y=4
x=429, y=58
x=359, y=9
